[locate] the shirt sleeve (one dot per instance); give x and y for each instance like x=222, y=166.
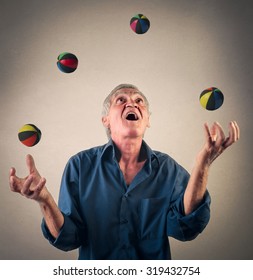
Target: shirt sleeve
x=186, y=227
x=72, y=232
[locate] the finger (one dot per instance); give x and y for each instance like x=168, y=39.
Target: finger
x=14, y=186
x=208, y=134
x=26, y=191
x=34, y=194
x=12, y=172
x=39, y=187
x=233, y=135
x=220, y=136
x=213, y=133
x=237, y=130
x=232, y=131
x=14, y=181
x=30, y=164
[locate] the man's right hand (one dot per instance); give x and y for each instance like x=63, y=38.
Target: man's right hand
x=32, y=186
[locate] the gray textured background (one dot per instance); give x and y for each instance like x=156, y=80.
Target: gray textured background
x=191, y=45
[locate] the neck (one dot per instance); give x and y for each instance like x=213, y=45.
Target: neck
x=131, y=157
x=129, y=150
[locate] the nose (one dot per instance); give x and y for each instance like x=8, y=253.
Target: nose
x=132, y=104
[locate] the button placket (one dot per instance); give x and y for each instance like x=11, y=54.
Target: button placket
x=124, y=226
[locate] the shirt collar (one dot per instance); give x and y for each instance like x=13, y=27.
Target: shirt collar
x=110, y=146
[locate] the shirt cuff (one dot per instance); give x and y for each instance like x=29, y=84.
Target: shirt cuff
x=63, y=240
x=187, y=227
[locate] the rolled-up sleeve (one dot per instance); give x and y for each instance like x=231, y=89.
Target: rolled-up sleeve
x=69, y=237
x=187, y=227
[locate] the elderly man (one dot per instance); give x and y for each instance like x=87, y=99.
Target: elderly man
x=123, y=200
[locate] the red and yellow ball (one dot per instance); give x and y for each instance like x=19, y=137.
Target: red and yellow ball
x=29, y=135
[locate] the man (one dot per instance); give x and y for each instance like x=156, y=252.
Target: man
x=122, y=200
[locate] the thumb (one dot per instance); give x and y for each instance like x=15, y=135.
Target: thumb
x=30, y=164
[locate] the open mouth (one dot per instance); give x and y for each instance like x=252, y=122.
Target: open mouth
x=131, y=116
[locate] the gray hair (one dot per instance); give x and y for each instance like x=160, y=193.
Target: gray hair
x=107, y=101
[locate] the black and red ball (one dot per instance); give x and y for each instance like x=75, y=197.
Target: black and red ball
x=29, y=135
x=67, y=62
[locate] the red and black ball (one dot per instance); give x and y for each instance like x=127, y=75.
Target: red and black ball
x=67, y=62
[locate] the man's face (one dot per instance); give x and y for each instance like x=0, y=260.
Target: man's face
x=128, y=115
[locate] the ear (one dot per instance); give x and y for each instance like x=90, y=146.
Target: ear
x=105, y=121
x=148, y=124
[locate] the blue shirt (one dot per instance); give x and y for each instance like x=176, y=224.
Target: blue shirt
x=106, y=219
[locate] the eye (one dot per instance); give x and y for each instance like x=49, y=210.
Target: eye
x=139, y=101
x=120, y=100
